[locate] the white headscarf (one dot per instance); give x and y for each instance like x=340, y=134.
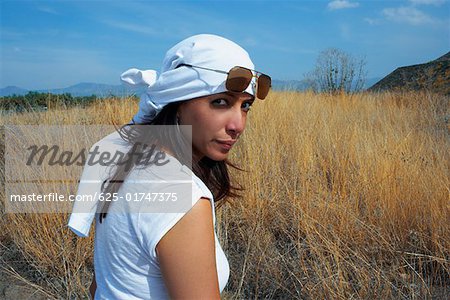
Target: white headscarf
x=176, y=83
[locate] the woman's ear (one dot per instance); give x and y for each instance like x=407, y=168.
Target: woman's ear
x=180, y=110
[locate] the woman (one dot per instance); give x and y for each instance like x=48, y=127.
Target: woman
x=159, y=249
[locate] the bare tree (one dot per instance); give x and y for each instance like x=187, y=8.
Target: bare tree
x=337, y=71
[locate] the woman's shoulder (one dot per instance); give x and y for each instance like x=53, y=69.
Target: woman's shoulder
x=160, y=166
x=201, y=186
x=114, y=140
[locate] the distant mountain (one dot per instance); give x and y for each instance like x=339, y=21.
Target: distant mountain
x=12, y=90
x=105, y=90
x=432, y=76
x=98, y=89
x=80, y=89
x=85, y=89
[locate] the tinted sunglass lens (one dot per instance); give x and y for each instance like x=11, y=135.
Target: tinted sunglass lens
x=264, y=83
x=238, y=79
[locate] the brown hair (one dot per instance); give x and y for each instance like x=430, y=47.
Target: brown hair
x=213, y=173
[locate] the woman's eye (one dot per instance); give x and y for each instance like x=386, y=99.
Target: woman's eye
x=219, y=102
x=246, y=105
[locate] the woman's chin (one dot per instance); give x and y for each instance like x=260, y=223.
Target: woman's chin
x=214, y=153
x=217, y=155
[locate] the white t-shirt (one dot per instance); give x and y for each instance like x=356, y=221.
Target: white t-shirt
x=125, y=260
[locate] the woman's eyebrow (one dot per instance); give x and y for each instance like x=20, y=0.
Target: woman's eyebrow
x=250, y=97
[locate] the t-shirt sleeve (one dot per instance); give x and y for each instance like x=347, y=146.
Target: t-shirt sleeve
x=84, y=210
x=153, y=226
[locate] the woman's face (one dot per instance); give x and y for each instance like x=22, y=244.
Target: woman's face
x=217, y=122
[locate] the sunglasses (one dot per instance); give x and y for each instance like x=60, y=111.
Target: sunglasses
x=239, y=78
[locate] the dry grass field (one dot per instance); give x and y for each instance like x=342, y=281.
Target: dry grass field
x=346, y=197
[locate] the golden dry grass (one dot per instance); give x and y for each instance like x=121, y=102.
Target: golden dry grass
x=347, y=197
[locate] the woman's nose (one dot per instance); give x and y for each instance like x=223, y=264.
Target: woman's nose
x=236, y=123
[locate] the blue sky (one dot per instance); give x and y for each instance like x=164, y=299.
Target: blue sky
x=54, y=44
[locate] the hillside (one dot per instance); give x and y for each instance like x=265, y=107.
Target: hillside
x=105, y=90
x=433, y=76
x=12, y=90
x=78, y=90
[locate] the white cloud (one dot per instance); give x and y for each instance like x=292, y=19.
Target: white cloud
x=409, y=15
x=137, y=28
x=48, y=10
x=428, y=2
x=372, y=21
x=345, y=31
x=341, y=4
x=8, y=33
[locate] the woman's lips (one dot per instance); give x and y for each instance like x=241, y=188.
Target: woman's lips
x=226, y=144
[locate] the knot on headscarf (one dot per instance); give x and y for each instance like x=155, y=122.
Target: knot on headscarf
x=147, y=108
x=135, y=77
